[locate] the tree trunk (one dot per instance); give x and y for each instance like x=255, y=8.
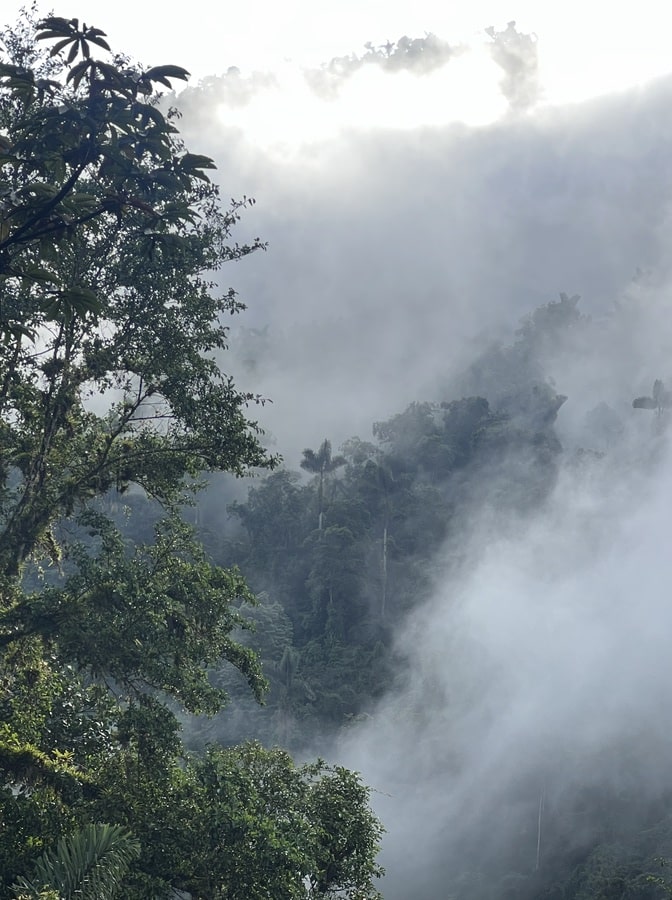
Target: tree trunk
x=383, y=603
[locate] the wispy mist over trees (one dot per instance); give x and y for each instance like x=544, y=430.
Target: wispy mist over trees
x=449, y=623
x=482, y=618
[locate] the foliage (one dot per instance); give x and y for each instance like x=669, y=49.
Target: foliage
x=151, y=620
x=121, y=306
x=110, y=229
x=245, y=822
x=89, y=864
x=270, y=822
x=321, y=464
x=111, y=395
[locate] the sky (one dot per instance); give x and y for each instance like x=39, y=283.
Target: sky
x=413, y=216
x=588, y=48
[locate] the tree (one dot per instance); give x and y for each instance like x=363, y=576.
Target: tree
x=321, y=464
x=281, y=828
x=245, y=823
x=111, y=332
x=413, y=439
x=660, y=398
x=109, y=232
x=109, y=324
x=381, y=483
x=275, y=518
x=334, y=580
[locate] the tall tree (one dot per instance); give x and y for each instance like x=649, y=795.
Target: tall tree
x=109, y=232
x=321, y=463
x=382, y=484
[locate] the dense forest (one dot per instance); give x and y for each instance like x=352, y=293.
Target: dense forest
x=341, y=550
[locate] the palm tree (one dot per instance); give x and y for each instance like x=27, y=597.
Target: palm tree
x=321, y=463
x=88, y=865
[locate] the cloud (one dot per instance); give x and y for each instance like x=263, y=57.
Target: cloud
x=394, y=255
x=516, y=54
x=542, y=670
x=416, y=55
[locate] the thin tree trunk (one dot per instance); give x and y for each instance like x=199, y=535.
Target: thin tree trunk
x=320, y=500
x=384, y=573
x=542, y=800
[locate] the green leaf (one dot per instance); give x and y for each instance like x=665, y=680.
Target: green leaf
x=69, y=301
x=16, y=330
x=41, y=191
x=166, y=179
x=37, y=273
x=56, y=26
x=163, y=73
x=81, y=203
x=53, y=34
x=192, y=161
x=81, y=300
x=89, y=864
x=59, y=46
x=77, y=72
x=95, y=36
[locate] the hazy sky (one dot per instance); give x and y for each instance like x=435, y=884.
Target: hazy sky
x=587, y=47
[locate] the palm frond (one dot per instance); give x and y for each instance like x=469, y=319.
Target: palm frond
x=89, y=865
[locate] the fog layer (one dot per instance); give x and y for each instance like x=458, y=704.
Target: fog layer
x=394, y=256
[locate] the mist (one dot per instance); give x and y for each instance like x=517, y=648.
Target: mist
x=395, y=256
x=540, y=673
x=537, y=676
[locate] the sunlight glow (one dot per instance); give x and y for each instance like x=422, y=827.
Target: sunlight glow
x=290, y=113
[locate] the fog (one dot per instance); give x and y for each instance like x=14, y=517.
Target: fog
x=540, y=669
x=394, y=256
x=544, y=669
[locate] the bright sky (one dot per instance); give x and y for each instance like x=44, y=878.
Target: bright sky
x=585, y=49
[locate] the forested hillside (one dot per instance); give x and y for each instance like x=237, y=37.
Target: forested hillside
x=346, y=548
x=341, y=552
